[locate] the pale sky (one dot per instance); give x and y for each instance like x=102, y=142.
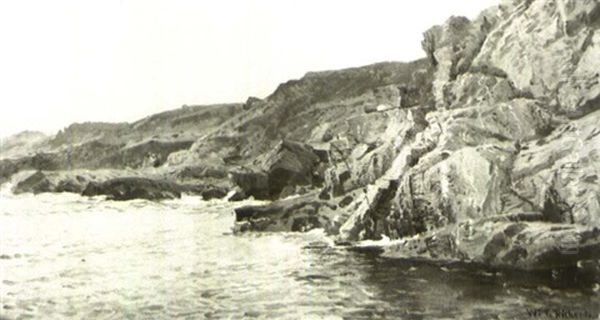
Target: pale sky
x=120, y=60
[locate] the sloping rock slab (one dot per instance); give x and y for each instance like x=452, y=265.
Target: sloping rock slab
x=504, y=243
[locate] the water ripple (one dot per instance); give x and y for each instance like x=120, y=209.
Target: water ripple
x=65, y=256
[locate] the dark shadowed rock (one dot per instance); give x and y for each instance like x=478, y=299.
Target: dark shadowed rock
x=214, y=192
x=134, y=188
x=7, y=169
x=301, y=213
x=290, y=164
x=255, y=184
x=36, y=183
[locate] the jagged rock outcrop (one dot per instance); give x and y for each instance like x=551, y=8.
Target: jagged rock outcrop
x=500, y=140
x=504, y=242
x=551, y=49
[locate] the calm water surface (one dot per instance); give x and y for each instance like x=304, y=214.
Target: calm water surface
x=64, y=256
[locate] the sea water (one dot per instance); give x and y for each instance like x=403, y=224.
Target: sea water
x=64, y=256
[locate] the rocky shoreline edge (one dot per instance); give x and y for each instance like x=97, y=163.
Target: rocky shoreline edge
x=487, y=151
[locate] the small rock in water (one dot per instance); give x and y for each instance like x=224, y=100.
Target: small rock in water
x=316, y=245
x=252, y=314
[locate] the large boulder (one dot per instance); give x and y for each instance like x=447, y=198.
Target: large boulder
x=252, y=183
x=301, y=213
x=290, y=164
x=31, y=181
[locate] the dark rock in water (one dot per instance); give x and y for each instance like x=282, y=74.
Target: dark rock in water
x=36, y=183
x=134, y=188
x=212, y=192
x=70, y=186
x=39, y=162
x=301, y=213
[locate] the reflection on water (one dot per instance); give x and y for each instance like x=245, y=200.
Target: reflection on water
x=63, y=256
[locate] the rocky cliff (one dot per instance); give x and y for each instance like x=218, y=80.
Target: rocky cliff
x=511, y=134
x=266, y=148
x=484, y=151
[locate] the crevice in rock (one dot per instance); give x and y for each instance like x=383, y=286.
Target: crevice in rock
x=556, y=209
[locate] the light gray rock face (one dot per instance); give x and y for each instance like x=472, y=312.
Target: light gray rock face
x=513, y=130
x=551, y=49
x=568, y=162
x=457, y=168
